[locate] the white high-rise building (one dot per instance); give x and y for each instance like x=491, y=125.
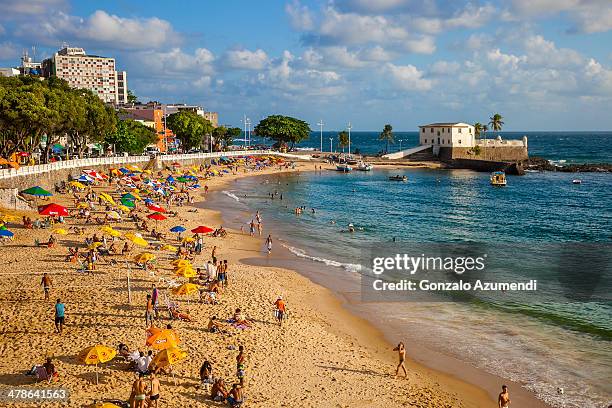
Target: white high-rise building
x=92, y=72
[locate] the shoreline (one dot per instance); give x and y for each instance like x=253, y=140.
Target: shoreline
x=446, y=369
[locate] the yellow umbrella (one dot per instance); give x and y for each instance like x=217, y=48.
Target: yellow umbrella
x=123, y=208
x=113, y=215
x=168, y=356
x=61, y=231
x=181, y=262
x=144, y=257
x=140, y=241
x=81, y=205
x=107, y=198
x=77, y=184
x=133, y=168
x=186, y=289
x=188, y=239
x=110, y=231
x=105, y=405
x=186, y=272
x=169, y=247
x=94, y=245
x=95, y=355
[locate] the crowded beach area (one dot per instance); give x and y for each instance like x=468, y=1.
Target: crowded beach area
x=120, y=291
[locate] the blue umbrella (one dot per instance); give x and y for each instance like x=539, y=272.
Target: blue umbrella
x=178, y=228
x=6, y=233
x=124, y=170
x=170, y=179
x=148, y=201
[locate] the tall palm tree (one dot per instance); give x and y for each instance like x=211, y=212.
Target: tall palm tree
x=477, y=129
x=387, y=135
x=496, y=122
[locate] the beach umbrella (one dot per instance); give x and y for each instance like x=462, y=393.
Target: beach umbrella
x=84, y=178
x=140, y=241
x=186, y=272
x=181, y=262
x=182, y=179
x=60, y=231
x=105, y=405
x=170, y=179
x=169, y=247
x=123, y=208
x=37, y=191
x=186, y=289
x=107, y=198
x=157, y=216
x=133, y=168
x=95, y=355
x=160, y=339
x=110, y=231
x=52, y=210
x=188, y=239
x=156, y=208
x=202, y=230
x=148, y=201
x=114, y=215
x=168, y=357
x=144, y=257
x=93, y=174
x=128, y=203
x=6, y=233
x=124, y=170
x=77, y=184
x=178, y=228
x=94, y=245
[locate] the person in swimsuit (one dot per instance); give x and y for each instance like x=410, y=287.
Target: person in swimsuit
x=240, y=360
x=235, y=399
x=46, y=283
x=269, y=243
x=139, y=391
x=154, y=392
x=218, y=391
x=503, y=401
x=401, y=352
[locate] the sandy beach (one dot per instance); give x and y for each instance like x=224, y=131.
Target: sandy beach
x=322, y=356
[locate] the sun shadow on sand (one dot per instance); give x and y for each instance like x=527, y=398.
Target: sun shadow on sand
x=352, y=370
x=202, y=398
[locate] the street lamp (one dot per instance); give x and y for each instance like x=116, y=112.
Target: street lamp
x=331, y=141
x=321, y=126
x=248, y=124
x=349, y=135
x=400, y=141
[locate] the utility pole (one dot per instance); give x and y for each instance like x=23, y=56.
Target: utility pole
x=331, y=142
x=321, y=126
x=248, y=123
x=349, y=135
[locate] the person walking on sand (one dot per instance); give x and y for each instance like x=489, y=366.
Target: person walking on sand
x=60, y=316
x=149, y=312
x=269, y=243
x=155, y=300
x=46, y=284
x=280, y=310
x=139, y=392
x=503, y=401
x=154, y=391
x=401, y=352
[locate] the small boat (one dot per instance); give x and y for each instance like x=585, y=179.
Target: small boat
x=363, y=166
x=498, y=179
x=343, y=167
x=577, y=181
x=398, y=178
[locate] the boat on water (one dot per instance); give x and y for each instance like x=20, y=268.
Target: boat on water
x=343, y=167
x=577, y=181
x=398, y=178
x=498, y=179
x=363, y=166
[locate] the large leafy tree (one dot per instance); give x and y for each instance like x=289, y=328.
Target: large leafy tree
x=130, y=137
x=387, y=136
x=343, y=139
x=283, y=129
x=189, y=128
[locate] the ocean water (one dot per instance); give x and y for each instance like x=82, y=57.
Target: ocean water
x=544, y=345
x=561, y=147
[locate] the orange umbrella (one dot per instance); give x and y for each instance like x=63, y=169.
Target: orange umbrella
x=160, y=339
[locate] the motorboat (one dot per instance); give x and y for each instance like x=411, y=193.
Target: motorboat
x=577, y=181
x=343, y=167
x=498, y=179
x=398, y=178
x=363, y=166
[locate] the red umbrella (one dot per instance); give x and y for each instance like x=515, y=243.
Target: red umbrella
x=52, y=210
x=156, y=208
x=202, y=230
x=157, y=216
x=176, y=164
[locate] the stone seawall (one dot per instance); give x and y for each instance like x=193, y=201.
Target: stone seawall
x=497, y=153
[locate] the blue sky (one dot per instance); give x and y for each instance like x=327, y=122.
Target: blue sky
x=542, y=64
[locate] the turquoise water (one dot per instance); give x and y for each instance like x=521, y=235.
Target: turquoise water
x=547, y=344
x=564, y=147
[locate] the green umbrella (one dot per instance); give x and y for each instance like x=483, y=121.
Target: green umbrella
x=37, y=191
x=128, y=203
x=182, y=180
x=128, y=196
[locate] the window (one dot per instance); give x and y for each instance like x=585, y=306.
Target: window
x=442, y=130
x=459, y=141
x=459, y=130
x=431, y=130
x=423, y=130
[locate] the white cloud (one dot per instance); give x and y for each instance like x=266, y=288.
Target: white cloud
x=15, y=9
x=543, y=52
x=505, y=60
x=8, y=50
x=245, y=59
x=173, y=62
x=407, y=77
x=444, y=68
x=352, y=29
x=590, y=16
x=300, y=16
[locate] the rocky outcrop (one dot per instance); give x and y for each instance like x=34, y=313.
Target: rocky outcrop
x=539, y=163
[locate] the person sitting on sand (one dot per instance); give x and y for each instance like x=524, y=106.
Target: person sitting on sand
x=206, y=375
x=123, y=350
x=401, y=352
x=218, y=392
x=125, y=249
x=235, y=398
x=240, y=318
x=214, y=326
x=50, y=368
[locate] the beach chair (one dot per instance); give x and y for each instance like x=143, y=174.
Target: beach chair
x=41, y=375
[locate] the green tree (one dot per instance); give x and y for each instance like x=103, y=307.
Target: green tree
x=131, y=137
x=496, y=122
x=189, y=128
x=343, y=139
x=97, y=121
x=131, y=98
x=387, y=136
x=477, y=129
x=283, y=129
